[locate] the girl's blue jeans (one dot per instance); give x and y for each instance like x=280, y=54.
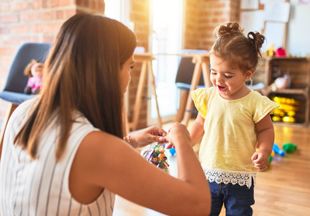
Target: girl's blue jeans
x=236, y=199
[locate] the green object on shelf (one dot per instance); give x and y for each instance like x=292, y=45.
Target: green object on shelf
x=289, y=147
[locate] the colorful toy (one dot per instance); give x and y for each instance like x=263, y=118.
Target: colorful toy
x=171, y=148
x=289, y=147
x=172, y=151
x=157, y=157
x=278, y=150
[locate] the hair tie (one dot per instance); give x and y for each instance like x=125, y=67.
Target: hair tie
x=252, y=36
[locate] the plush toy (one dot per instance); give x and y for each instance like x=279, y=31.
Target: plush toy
x=282, y=82
x=34, y=70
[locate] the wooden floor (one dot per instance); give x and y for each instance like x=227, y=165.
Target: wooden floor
x=285, y=188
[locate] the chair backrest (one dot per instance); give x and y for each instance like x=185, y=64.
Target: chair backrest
x=16, y=80
x=185, y=72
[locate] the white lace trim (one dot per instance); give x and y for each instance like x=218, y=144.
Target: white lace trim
x=233, y=177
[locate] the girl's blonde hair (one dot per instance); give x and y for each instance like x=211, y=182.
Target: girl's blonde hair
x=81, y=74
x=233, y=46
x=27, y=70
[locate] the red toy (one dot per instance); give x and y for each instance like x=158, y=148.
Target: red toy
x=280, y=52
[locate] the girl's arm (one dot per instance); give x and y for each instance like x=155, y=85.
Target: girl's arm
x=265, y=138
x=196, y=130
x=105, y=161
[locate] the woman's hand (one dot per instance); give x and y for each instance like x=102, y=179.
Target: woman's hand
x=146, y=136
x=178, y=132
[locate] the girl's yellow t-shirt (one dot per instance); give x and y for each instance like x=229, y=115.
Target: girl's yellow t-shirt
x=229, y=130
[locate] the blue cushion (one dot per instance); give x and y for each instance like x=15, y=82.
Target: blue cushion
x=15, y=98
x=186, y=86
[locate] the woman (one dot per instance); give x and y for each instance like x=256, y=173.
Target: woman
x=63, y=153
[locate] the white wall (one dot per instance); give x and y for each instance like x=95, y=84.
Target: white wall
x=298, y=34
x=298, y=42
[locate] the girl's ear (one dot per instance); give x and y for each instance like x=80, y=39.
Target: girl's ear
x=249, y=74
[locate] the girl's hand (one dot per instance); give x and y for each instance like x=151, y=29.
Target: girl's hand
x=260, y=160
x=146, y=136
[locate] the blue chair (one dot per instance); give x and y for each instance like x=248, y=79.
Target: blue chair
x=183, y=83
x=13, y=91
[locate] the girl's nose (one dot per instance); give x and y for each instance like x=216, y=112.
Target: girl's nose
x=219, y=79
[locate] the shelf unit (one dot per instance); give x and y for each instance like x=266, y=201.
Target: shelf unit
x=299, y=71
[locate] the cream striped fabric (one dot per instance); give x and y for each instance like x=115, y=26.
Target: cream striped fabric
x=40, y=187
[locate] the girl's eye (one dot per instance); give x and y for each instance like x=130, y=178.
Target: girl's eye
x=213, y=73
x=228, y=76
x=132, y=67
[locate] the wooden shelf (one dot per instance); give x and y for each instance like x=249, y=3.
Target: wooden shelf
x=286, y=58
x=291, y=124
x=303, y=91
x=299, y=71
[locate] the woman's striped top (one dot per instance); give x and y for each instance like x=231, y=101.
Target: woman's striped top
x=41, y=186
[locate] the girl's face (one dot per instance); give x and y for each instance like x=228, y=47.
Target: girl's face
x=36, y=70
x=228, y=80
x=125, y=74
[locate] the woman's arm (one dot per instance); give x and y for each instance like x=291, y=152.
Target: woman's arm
x=196, y=130
x=105, y=161
x=265, y=138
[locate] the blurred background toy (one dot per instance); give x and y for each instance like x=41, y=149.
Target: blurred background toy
x=289, y=147
x=34, y=71
x=270, y=52
x=280, y=52
x=270, y=158
x=277, y=150
x=286, y=111
x=282, y=82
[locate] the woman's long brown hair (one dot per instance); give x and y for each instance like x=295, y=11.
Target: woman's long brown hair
x=81, y=74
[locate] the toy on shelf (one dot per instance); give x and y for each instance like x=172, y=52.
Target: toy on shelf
x=282, y=82
x=286, y=111
x=271, y=51
x=280, y=52
x=156, y=156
